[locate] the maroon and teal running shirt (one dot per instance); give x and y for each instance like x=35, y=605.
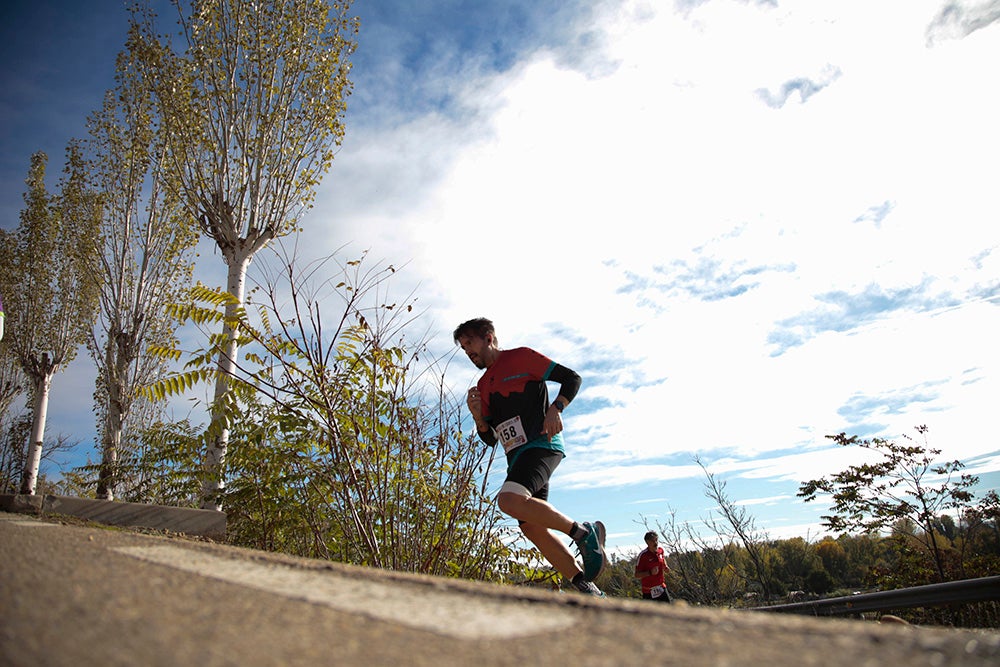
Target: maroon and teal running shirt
x=515, y=398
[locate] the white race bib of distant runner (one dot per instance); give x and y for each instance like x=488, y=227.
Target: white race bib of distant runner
x=511, y=434
x=656, y=591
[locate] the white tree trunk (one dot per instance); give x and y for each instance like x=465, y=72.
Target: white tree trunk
x=29, y=479
x=109, y=447
x=117, y=357
x=215, y=454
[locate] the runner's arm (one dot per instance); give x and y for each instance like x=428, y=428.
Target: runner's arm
x=489, y=436
x=569, y=383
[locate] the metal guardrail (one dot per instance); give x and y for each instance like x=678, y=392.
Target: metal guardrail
x=953, y=592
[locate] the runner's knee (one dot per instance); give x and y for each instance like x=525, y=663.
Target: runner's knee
x=509, y=503
x=512, y=497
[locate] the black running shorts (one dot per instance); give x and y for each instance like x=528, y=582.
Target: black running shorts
x=531, y=471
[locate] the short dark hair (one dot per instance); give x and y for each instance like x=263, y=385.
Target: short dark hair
x=478, y=327
x=651, y=533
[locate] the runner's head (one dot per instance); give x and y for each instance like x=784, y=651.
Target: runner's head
x=478, y=327
x=478, y=340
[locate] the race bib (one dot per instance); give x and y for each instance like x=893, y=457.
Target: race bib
x=657, y=591
x=511, y=434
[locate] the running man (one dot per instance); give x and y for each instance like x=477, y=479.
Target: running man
x=510, y=405
x=651, y=569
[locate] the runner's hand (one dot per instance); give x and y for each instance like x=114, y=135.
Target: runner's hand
x=553, y=423
x=475, y=403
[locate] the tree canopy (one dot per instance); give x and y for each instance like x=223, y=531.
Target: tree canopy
x=904, y=482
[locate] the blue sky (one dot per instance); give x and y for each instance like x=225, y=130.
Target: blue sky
x=747, y=224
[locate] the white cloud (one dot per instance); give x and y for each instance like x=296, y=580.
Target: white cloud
x=771, y=500
x=959, y=18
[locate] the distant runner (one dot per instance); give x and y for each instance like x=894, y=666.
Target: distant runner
x=651, y=568
x=510, y=405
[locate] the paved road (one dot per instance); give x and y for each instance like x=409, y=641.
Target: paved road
x=76, y=596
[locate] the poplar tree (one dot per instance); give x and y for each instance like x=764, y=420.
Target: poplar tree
x=253, y=101
x=53, y=286
x=12, y=385
x=145, y=259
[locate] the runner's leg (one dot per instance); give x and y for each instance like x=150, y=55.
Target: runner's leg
x=524, y=497
x=532, y=510
x=553, y=549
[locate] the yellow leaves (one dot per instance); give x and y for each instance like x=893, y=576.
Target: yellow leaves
x=186, y=312
x=165, y=353
x=178, y=383
x=214, y=313
x=213, y=295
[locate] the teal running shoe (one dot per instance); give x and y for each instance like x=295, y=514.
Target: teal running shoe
x=592, y=551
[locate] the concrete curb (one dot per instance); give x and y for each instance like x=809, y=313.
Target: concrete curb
x=207, y=523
